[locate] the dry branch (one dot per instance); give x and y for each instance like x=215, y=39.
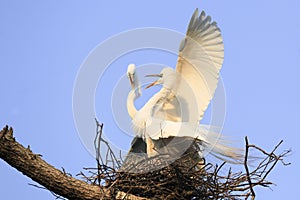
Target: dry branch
x=31, y=165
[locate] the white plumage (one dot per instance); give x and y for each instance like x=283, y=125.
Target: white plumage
x=176, y=110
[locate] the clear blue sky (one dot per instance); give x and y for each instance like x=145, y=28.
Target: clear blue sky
x=43, y=44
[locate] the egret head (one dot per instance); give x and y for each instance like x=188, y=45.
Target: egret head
x=167, y=77
x=131, y=74
x=135, y=85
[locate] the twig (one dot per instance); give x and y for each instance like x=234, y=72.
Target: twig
x=246, y=168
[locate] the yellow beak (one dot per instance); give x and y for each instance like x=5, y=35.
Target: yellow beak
x=150, y=85
x=130, y=76
x=155, y=82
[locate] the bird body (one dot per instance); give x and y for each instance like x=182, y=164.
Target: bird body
x=176, y=110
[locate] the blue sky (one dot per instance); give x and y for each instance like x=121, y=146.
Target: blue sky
x=44, y=43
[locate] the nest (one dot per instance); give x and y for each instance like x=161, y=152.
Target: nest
x=175, y=181
x=182, y=178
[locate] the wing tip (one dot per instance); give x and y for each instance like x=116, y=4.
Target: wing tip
x=197, y=19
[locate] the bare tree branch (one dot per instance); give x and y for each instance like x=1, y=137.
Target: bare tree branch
x=62, y=184
x=247, y=169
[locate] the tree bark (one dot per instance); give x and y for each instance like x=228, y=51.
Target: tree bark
x=31, y=165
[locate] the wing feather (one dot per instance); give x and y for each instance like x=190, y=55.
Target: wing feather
x=200, y=59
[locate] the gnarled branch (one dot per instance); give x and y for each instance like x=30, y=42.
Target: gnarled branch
x=31, y=165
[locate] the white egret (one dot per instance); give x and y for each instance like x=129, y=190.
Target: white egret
x=138, y=145
x=176, y=110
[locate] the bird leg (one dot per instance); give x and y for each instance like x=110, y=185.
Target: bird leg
x=149, y=143
x=150, y=147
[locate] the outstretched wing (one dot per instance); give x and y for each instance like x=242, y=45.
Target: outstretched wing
x=200, y=59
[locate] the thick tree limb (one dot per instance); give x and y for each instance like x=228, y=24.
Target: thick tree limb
x=31, y=165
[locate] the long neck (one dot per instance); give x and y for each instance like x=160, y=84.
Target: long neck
x=134, y=93
x=131, y=109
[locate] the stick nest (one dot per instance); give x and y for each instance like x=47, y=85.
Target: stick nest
x=176, y=180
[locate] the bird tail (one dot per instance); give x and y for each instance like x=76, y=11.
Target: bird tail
x=219, y=146
x=210, y=139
